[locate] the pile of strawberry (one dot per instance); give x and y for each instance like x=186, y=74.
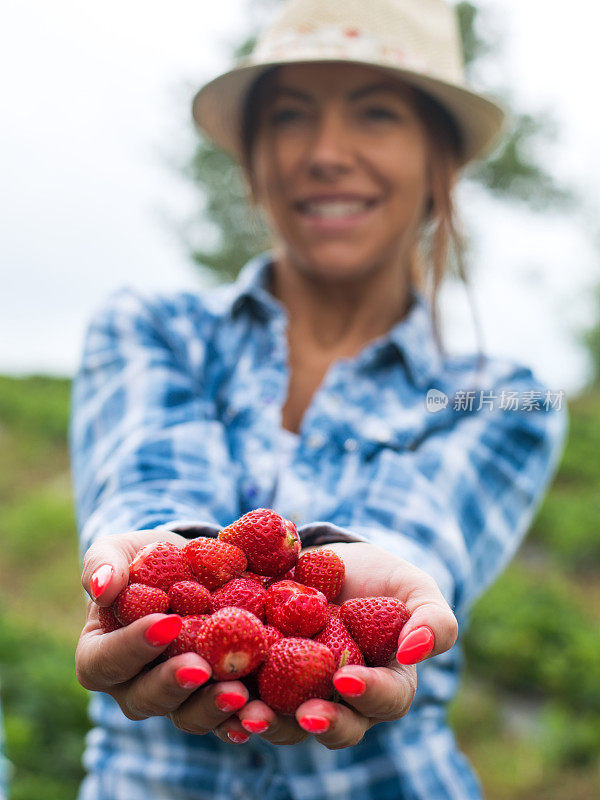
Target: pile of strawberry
x=254, y=609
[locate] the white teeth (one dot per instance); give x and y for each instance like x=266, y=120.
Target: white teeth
x=336, y=208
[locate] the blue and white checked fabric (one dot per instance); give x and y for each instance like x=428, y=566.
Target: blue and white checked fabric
x=176, y=416
x=5, y=766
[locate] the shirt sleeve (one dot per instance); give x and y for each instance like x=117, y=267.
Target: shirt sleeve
x=459, y=503
x=145, y=446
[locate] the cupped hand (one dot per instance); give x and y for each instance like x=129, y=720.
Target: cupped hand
x=119, y=663
x=370, y=694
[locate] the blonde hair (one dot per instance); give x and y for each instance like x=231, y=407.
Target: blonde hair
x=439, y=238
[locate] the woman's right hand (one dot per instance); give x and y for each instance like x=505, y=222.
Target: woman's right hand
x=117, y=662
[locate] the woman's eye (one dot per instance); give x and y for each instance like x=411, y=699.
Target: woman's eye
x=379, y=112
x=285, y=115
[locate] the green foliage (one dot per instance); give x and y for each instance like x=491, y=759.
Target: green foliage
x=590, y=338
x=474, y=46
x=41, y=411
x=530, y=634
x=513, y=172
x=45, y=709
x=568, y=740
x=569, y=520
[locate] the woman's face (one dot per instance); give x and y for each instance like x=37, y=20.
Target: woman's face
x=340, y=168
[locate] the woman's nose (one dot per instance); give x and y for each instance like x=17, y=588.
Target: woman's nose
x=330, y=147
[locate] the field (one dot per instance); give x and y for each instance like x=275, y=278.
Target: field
x=527, y=714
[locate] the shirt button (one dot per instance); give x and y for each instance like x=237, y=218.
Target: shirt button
x=350, y=445
x=316, y=440
x=382, y=434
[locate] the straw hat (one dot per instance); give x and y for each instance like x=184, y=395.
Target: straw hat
x=417, y=41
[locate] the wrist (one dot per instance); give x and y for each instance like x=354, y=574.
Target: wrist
x=317, y=534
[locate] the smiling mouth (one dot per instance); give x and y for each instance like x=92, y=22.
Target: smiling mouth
x=335, y=209
x=335, y=216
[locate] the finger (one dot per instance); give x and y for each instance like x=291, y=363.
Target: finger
x=432, y=627
x=334, y=725
x=413, y=586
x=279, y=729
x=388, y=691
x=231, y=732
x=162, y=689
x=256, y=717
x=106, y=563
x=207, y=708
x=103, y=660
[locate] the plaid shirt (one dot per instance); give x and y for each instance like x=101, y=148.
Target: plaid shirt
x=5, y=766
x=175, y=419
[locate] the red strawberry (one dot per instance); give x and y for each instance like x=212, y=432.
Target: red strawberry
x=214, y=562
x=187, y=640
x=336, y=637
x=295, y=609
x=273, y=635
x=233, y=642
x=137, y=600
x=295, y=670
x=270, y=542
x=264, y=580
x=159, y=564
x=375, y=623
x=241, y=593
x=189, y=597
x=108, y=621
x=333, y=610
x=323, y=570
x=289, y=576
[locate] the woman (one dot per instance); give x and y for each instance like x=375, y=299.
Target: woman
x=302, y=387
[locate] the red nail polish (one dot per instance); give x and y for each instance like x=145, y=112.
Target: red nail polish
x=255, y=725
x=415, y=645
x=230, y=701
x=164, y=631
x=191, y=677
x=350, y=685
x=100, y=580
x=238, y=737
x=314, y=724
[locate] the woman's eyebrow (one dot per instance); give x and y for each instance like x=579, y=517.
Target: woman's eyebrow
x=356, y=94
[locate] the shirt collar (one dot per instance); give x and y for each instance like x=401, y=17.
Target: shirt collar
x=251, y=287
x=412, y=337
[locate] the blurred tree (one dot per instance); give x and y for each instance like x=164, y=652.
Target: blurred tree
x=590, y=338
x=512, y=172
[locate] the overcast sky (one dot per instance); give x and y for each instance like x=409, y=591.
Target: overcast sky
x=96, y=106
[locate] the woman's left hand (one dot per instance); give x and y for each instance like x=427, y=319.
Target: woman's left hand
x=388, y=691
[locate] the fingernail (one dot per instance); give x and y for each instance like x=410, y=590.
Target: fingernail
x=164, y=631
x=191, y=677
x=314, y=724
x=230, y=701
x=237, y=737
x=415, y=645
x=350, y=685
x=255, y=725
x=100, y=580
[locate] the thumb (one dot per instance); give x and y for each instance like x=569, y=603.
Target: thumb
x=106, y=563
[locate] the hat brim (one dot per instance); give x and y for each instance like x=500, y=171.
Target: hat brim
x=217, y=106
